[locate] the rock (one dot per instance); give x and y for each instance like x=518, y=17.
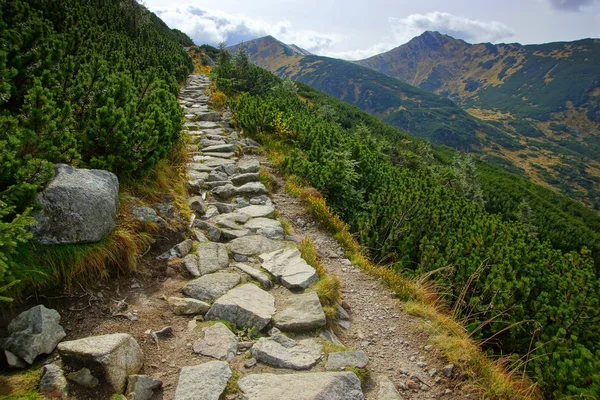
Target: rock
x=145, y=214
x=218, y=342
x=307, y=386
x=248, y=166
x=221, y=148
x=200, y=237
x=251, y=189
x=255, y=274
x=342, y=314
x=217, y=176
x=14, y=361
x=299, y=356
x=142, y=387
x=259, y=201
x=196, y=204
x=229, y=169
x=34, y=332
x=211, y=211
x=344, y=324
x=187, y=306
x=166, y=210
x=411, y=385
x=289, y=268
x=304, y=312
x=179, y=250
x=212, y=257
x=241, y=202
x=80, y=206
x=240, y=258
x=53, y=382
x=266, y=227
x=251, y=362
x=330, y=336
x=231, y=221
x=211, y=116
x=83, y=377
x=346, y=359
x=211, y=286
x=257, y=211
x=203, y=382
x=245, y=306
x=253, y=245
x=190, y=265
x=223, y=208
x=240, y=179
x=387, y=390
x=225, y=191
x=231, y=234
x=448, y=370
x=111, y=357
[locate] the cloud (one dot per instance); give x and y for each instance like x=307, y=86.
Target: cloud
x=473, y=31
x=211, y=26
x=359, y=54
x=572, y=5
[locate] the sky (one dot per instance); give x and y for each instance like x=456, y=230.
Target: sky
x=357, y=29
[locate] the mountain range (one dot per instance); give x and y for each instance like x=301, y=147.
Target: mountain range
x=533, y=110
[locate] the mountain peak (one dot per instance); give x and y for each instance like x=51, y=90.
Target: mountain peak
x=431, y=39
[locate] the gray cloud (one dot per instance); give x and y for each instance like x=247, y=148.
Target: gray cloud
x=572, y=5
x=458, y=27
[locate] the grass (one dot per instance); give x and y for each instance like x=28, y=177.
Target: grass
x=329, y=347
x=21, y=385
x=232, y=388
x=361, y=373
x=267, y=179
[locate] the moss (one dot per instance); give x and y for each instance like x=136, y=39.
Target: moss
x=232, y=388
x=21, y=385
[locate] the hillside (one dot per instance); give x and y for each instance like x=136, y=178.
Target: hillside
x=548, y=95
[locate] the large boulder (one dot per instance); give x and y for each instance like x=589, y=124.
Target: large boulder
x=80, y=206
x=110, y=358
x=303, y=312
x=203, y=382
x=34, y=332
x=308, y=386
x=246, y=306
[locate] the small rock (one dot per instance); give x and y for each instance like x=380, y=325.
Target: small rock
x=387, y=390
x=342, y=314
x=53, y=382
x=248, y=166
x=200, y=236
x=251, y=362
x=166, y=210
x=84, y=378
x=421, y=364
x=196, y=204
x=211, y=212
x=330, y=336
x=432, y=372
x=205, y=381
x=14, y=361
x=344, y=324
x=240, y=258
x=142, y=387
x=243, y=346
x=427, y=348
x=346, y=359
x=187, y=306
x=218, y=342
x=448, y=370
x=145, y=214
x=289, y=267
x=411, y=385
x=256, y=274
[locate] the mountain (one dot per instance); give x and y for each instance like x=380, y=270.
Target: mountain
x=548, y=95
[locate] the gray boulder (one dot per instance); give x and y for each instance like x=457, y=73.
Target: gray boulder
x=211, y=286
x=83, y=377
x=248, y=166
x=256, y=274
x=142, y=387
x=294, y=355
x=218, y=342
x=289, y=267
x=245, y=306
x=240, y=179
x=203, y=382
x=187, y=306
x=266, y=227
x=34, y=332
x=346, y=359
x=308, y=386
x=225, y=191
x=212, y=257
x=111, y=358
x=211, y=116
x=196, y=204
x=13, y=361
x=80, y=206
x=251, y=189
x=258, y=211
x=387, y=390
x=253, y=245
x=303, y=312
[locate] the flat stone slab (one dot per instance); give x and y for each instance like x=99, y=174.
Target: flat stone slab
x=245, y=306
x=240, y=179
x=220, y=148
x=212, y=257
x=308, y=386
x=203, y=382
x=187, y=306
x=231, y=234
x=257, y=211
x=253, y=245
x=218, y=342
x=304, y=312
x=287, y=354
x=248, y=166
x=211, y=286
x=256, y=274
x=231, y=221
x=387, y=390
x=288, y=266
x=346, y=359
x=266, y=227
x=111, y=358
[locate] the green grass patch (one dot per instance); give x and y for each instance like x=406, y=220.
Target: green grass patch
x=20, y=385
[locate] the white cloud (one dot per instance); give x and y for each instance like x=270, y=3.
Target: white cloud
x=473, y=31
x=359, y=54
x=211, y=26
x=572, y=5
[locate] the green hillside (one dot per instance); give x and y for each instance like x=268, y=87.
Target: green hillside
x=423, y=211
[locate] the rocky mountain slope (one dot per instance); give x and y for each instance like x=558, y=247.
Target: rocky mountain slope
x=554, y=152
x=547, y=95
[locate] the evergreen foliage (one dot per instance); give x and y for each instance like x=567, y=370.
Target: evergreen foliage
x=90, y=83
x=423, y=210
